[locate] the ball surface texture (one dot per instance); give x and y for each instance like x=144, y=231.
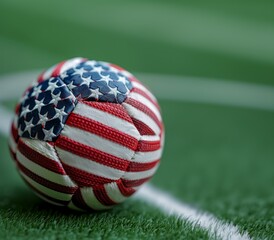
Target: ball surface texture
x=86, y=135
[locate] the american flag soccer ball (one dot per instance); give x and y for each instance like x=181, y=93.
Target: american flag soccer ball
x=86, y=135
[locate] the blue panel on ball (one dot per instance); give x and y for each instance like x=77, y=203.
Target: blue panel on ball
x=44, y=110
x=97, y=81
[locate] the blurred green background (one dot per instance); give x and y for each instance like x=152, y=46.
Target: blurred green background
x=217, y=158
x=217, y=39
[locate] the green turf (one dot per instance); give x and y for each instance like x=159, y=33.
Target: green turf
x=25, y=216
x=218, y=159
x=223, y=159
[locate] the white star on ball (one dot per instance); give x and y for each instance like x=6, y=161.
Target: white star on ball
x=60, y=113
x=49, y=134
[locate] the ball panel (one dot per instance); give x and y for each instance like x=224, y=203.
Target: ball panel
x=77, y=202
x=96, y=143
x=146, y=106
x=138, y=102
x=46, y=191
x=147, y=145
x=143, y=128
x=147, y=157
x=111, y=115
x=117, y=191
x=97, y=81
x=92, y=199
x=102, y=130
x=44, y=196
x=103, y=197
x=143, y=122
x=141, y=167
x=138, y=87
x=92, y=157
x=125, y=191
x=83, y=178
x=144, y=110
x=100, y=197
x=138, y=175
x=40, y=167
x=40, y=153
x=135, y=183
x=90, y=163
x=44, y=110
x=46, y=182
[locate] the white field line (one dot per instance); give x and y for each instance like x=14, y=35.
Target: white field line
x=179, y=88
x=5, y=120
x=16, y=84
x=202, y=90
x=13, y=85
x=173, y=207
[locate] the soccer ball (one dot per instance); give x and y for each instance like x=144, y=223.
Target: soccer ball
x=86, y=135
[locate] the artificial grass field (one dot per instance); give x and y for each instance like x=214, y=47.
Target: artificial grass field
x=217, y=158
